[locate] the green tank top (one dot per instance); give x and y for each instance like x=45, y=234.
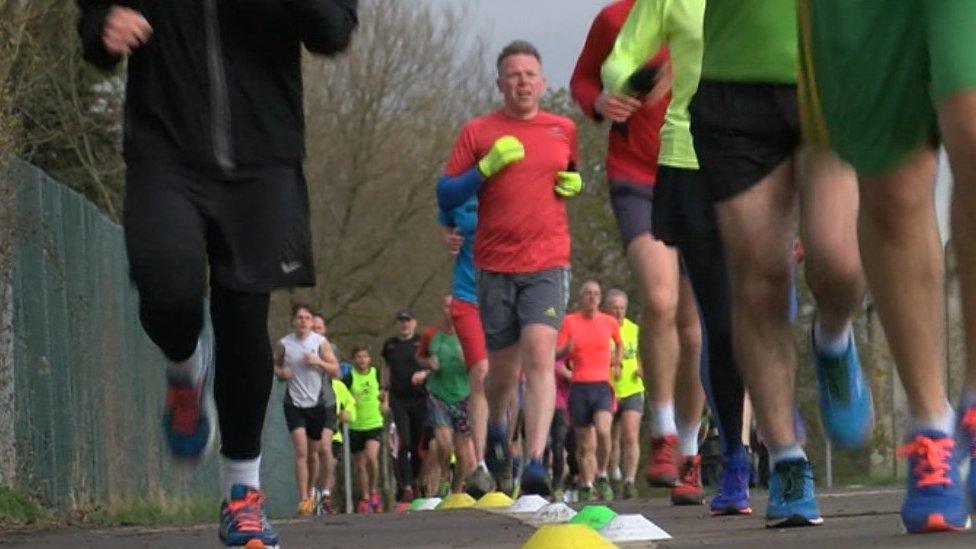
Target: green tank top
x=450, y=382
x=751, y=41
x=630, y=383
x=365, y=388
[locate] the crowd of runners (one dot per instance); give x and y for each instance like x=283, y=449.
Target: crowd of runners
x=733, y=125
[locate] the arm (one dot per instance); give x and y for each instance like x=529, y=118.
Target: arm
x=424, y=357
x=586, y=86
x=327, y=361
x=324, y=26
x=453, y=192
x=282, y=372
x=562, y=370
x=108, y=30
x=641, y=36
x=618, y=348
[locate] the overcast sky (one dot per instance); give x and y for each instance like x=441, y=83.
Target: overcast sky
x=557, y=27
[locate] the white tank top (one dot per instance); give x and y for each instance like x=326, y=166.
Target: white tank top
x=308, y=386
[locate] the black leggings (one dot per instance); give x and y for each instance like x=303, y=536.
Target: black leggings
x=410, y=416
x=704, y=260
x=557, y=444
x=243, y=376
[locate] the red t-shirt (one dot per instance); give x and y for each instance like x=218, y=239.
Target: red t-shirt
x=633, y=153
x=522, y=222
x=590, y=355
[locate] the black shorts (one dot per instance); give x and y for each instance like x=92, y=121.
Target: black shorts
x=742, y=133
x=358, y=439
x=313, y=419
x=586, y=399
x=631, y=205
x=683, y=210
x=252, y=229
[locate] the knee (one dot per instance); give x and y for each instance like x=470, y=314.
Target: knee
x=661, y=306
x=765, y=286
x=301, y=455
x=690, y=333
x=892, y=210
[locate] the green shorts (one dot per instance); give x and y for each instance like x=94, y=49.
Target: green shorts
x=872, y=72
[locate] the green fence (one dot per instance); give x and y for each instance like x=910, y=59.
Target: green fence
x=89, y=384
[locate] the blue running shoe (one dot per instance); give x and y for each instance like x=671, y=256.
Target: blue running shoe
x=967, y=432
x=243, y=522
x=496, y=451
x=189, y=408
x=845, y=397
x=936, y=501
x=732, y=497
x=535, y=479
x=792, y=501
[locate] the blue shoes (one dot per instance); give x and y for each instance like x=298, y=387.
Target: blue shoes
x=497, y=453
x=732, y=497
x=845, y=398
x=188, y=420
x=535, y=479
x=243, y=522
x=936, y=500
x=792, y=501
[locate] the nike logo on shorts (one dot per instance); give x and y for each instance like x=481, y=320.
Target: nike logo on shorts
x=289, y=267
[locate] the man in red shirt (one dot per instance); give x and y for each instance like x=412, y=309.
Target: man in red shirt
x=521, y=163
x=670, y=326
x=585, y=341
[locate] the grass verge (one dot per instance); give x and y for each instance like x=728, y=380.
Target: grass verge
x=156, y=513
x=18, y=509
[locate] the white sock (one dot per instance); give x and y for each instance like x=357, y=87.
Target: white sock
x=945, y=423
x=244, y=471
x=616, y=474
x=784, y=453
x=326, y=492
x=688, y=435
x=483, y=465
x=662, y=419
x=629, y=480
x=831, y=345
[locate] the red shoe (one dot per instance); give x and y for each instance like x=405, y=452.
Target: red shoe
x=661, y=468
x=407, y=496
x=689, y=490
x=363, y=507
x=376, y=502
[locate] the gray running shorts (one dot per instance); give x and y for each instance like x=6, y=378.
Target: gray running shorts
x=510, y=302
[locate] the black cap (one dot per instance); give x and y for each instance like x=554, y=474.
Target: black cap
x=404, y=315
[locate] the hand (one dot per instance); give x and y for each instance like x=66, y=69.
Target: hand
x=453, y=240
x=569, y=184
x=435, y=364
x=385, y=409
x=615, y=371
x=662, y=85
x=506, y=150
x=312, y=359
x=344, y=416
x=418, y=378
x=125, y=30
x=616, y=108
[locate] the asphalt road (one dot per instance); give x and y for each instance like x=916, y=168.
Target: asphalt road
x=854, y=518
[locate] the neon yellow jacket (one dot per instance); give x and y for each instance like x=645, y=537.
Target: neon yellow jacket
x=344, y=402
x=650, y=25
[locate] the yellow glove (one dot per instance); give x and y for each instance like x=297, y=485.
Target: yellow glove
x=569, y=184
x=505, y=151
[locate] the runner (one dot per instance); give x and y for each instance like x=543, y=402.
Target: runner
x=585, y=341
x=201, y=199
x=521, y=162
x=906, y=81
x=448, y=396
x=628, y=387
x=346, y=413
x=366, y=429
x=322, y=473
x=747, y=171
x=304, y=360
x=408, y=400
x=559, y=431
x=670, y=325
x=459, y=227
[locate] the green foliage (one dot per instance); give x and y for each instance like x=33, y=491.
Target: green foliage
x=16, y=508
x=157, y=512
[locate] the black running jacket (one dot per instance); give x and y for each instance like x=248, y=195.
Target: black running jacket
x=219, y=83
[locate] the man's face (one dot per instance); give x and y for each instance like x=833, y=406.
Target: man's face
x=521, y=83
x=361, y=359
x=590, y=296
x=405, y=327
x=318, y=325
x=302, y=322
x=617, y=307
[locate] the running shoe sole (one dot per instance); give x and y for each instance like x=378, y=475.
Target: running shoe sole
x=685, y=501
x=731, y=512
x=794, y=521
x=936, y=522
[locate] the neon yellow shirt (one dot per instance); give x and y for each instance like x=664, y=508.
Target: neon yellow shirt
x=344, y=402
x=651, y=24
x=630, y=382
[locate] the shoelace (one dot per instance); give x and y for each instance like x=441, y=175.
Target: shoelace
x=793, y=481
x=246, y=512
x=691, y=474
x=969, y=424
x=931, y=460
x=184, y=405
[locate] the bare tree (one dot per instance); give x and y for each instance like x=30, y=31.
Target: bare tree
x=380, y=124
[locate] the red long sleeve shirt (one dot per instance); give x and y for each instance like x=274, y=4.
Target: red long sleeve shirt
x=634, y=149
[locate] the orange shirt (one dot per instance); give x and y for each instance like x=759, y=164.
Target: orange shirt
x=522, y=222
x=591, y=337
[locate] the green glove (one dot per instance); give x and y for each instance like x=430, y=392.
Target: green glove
x=505, y=151
x=569, y=184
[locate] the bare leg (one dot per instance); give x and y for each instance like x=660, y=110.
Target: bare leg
x=478, y=407
x=326, y=459
x=538, y=351
x=373, y=462
x=689, y=395
x=586, y=454
x=601, y=423
x=300, y=443
x=616, y=446
x=630, y=443
x=902, y=258
x=757, y=230
x=501, y=382
x=464, y=450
